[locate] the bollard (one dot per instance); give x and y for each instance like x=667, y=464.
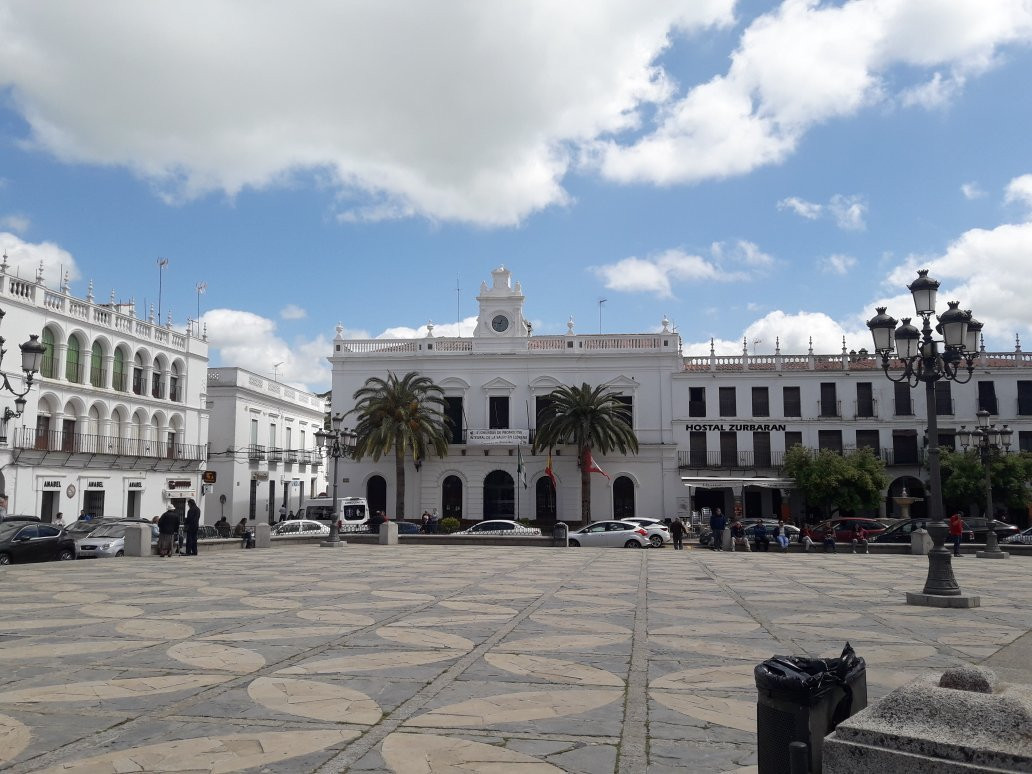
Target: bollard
x=561, y=534
x=262, y=536
x=388, y=534
x=138, y=540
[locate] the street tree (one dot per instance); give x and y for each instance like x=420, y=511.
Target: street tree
x=404, y=416
x=588, y=418
x=852, y=482
x=963, y=479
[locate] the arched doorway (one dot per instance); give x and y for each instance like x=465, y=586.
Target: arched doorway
x=499, y=496
x=376, y=494
x=544, y=509
x=915, y=488
x=623, y=498
x=451, y=497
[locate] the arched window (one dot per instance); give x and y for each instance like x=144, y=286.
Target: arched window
x=545, y=500
x=138, y=384
x=499, y=496
x=118, y=371
x=376, y=494
x=73, y=361
x=97, y=365
x=623, y=498
x=173, y=384
x=156, y=379
x=47, y=368
x=451, y=497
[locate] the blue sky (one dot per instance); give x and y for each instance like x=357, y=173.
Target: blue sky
x=751, y=170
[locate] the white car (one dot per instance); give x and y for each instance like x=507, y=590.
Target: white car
x=623, y=534
x=1025, y=536
x=500, y=528
x=108, y=540
x=301, y=527
x=659, y=533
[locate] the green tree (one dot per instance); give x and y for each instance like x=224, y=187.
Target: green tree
x=963, y=480
x=852, y=481
x=588, y=418
x=403, y=415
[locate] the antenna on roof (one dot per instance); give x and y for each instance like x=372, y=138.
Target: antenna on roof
x=458, y=330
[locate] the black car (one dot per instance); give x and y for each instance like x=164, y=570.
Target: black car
x=408, y=528
x=980, y=527
x=901, y=532
x=22, y=541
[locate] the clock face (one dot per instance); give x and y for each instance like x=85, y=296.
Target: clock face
x=500, y=323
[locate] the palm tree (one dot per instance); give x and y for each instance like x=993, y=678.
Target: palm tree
x=400, y=415
x=589, y=419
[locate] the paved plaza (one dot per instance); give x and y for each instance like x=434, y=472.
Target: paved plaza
x=435, y=658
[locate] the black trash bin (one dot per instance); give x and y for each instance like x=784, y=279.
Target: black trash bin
x=560, y=532
x=802, y=699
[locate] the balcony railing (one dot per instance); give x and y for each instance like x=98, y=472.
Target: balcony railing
x=988, y=404
x=829, y=408
x=865, y=409
x=275, y=455
x=138, y=383
x=84, y=443
x=1024, y=405
x=896, y=457
x=255, y=452
x=74, y=372
x=741, y=459
x=904, y=408
x=97, y=376
x=292, y=455
x=944, y=407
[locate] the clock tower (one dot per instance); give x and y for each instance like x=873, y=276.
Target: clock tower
x=501, y=308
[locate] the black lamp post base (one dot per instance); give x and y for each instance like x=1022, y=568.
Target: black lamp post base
x=936, y=600
x=987, y=554
x=332, y=544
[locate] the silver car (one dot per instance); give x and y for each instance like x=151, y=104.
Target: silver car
x=659, y=533
x=108, y=540
x=625, y=534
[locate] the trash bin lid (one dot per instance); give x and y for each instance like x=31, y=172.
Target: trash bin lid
x=803, y=678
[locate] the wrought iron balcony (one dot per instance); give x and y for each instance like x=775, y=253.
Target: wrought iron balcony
x=86, y=443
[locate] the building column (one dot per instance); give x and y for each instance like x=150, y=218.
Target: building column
x=109, y=368
x=61, y=361
x=166, y=375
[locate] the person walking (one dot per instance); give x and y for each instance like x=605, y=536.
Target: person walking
x=677, y=532
x=717, y=524
x=168, y=526
x=956, y=531
x=193, y=523
x=283, y=512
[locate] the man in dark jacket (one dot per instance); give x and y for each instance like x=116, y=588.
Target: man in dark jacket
x=718, y=523
x=168, y=526
x=677, y=532
x=193, y=521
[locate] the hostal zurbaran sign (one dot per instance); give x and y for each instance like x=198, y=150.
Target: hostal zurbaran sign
x=739, y=427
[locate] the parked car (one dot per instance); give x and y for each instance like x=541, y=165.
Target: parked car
x=980, y=527
x=623, y=534
x=659, y=533
x=22, y=541
x=82, y=527
x=793, y=532
x=844, y=528
x=900, y=533
x=499, y=528
x=1025, y=536
x=408, y=528
x=303, y=527
x=108, y=540
x=15, y=517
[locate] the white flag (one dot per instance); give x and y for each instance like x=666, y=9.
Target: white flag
x=521, y=471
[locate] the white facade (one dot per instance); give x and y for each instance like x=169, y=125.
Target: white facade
x=115, y=424
x=712, y=430
x=262, y=446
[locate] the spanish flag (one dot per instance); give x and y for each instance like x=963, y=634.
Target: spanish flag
x=551, y=473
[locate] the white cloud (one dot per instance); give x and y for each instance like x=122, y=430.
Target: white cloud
x=24, y=259
x=657, y=275
x=247, y=340
x=455, y=111
x=801, y=207
x=293, y=312
x=14, y=222
x=848, y=212
x=791, y=332
x=837, y=264
x=1019, y=190
x=452, y=330
x=972, y=191
x=806, y=63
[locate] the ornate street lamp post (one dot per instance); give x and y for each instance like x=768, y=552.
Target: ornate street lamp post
x=336, y=442
x=32, y=352
x=987, y=440
x=922, y=361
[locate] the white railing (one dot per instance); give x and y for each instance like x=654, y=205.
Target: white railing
x=639, y=342
x=842, y=362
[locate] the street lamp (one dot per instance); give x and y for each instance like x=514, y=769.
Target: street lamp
x=32, y=352
x=336, y=442
x=922, y=361
x=987, y=439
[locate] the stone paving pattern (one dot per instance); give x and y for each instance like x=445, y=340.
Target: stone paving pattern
x=414, y=659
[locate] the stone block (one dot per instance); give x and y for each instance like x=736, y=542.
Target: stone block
x=138, y=540
x=969, y=678
x=262, y=536
x=726, y=542
x=923, y=728
x=920, y=542
x=388, y=534
x=936, y=600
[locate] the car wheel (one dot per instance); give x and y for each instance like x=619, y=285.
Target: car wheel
x=5, y=558
x=119, y=553
x=632, y=544
x=574, y=544
x=657, y=541
x=66, y=555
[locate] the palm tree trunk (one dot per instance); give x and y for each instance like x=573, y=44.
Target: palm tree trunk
x=585, y=488
x=399, y=477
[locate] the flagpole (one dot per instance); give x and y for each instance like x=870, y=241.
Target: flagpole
x=519, y=472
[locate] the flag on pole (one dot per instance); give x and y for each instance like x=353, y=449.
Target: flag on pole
x=551, y=473
x=521, y=470
x=592, y=467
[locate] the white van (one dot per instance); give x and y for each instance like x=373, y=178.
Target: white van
x=351, y=511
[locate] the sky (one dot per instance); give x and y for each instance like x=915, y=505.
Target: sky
x=754, y=171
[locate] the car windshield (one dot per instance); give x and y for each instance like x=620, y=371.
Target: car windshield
x=10, y=527
x=113, y=530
